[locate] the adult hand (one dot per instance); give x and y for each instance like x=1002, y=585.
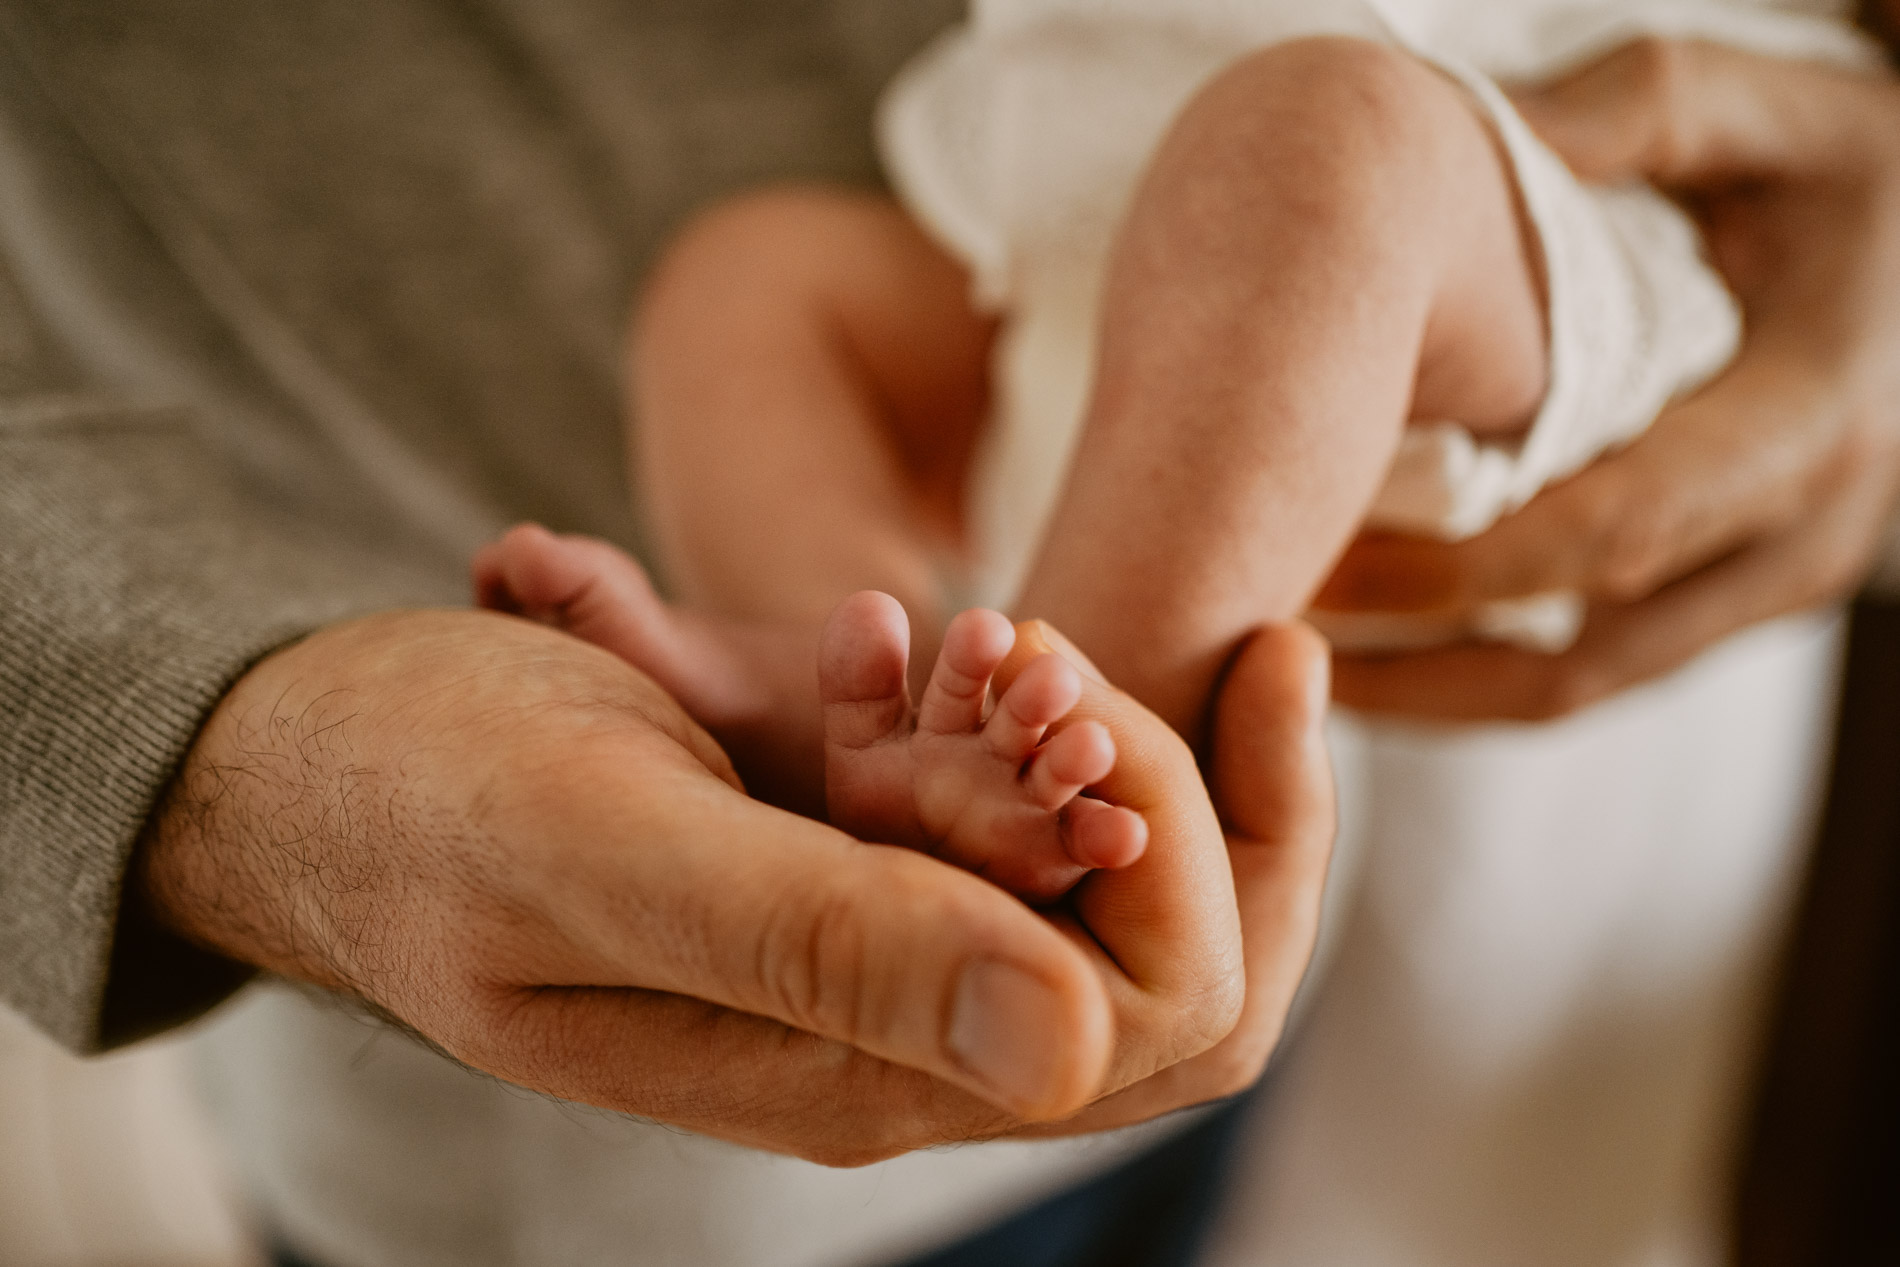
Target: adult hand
x=1767, y=492
x=520, y=847
x=1272, y=783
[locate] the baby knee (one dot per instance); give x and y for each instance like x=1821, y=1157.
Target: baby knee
x=1338, y=118
x=1338, y=75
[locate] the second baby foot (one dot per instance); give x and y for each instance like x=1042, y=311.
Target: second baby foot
x=749, y=684
x=990, y=788
x=719, y=670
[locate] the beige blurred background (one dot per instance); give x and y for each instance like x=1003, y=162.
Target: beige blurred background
x=106, y=1163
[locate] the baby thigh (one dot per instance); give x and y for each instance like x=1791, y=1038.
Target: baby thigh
x=1326, y=244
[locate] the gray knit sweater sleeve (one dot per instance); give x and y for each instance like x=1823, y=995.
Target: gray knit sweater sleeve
x=298, y=303
x=138, y=585
x=170, y=512
x=149, y=554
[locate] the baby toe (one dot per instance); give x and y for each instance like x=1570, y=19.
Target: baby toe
x=973, y=646
x=1042, y=693
x=541, y=575
x=490, y=581
x=1081, y=755
x=1101, y=835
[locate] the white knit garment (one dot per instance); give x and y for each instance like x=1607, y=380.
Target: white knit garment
x=1018, y=140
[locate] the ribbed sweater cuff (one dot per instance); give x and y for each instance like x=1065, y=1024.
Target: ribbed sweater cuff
x=138, y=588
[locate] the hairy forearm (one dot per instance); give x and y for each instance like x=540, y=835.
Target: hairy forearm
x=271, y=803
x=277, y=843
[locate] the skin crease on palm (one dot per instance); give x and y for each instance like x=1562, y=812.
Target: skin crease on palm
x=366, y=812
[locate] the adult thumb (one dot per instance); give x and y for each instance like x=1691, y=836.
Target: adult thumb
x=684, y=885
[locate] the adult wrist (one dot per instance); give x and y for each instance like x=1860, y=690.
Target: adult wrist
x=156, y=979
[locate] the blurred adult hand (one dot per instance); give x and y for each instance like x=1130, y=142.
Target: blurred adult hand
x=520, y=847
x=1767, y=492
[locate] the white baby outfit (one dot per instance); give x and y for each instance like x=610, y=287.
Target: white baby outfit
x=1018, y=140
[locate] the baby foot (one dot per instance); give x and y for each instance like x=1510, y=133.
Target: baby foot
x=985, y=792
x=598, y=593
x=750, y=685
x=993, y=791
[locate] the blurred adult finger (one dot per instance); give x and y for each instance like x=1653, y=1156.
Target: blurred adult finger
x=1740, y=459
x=1689, y=113
x=1623, y=645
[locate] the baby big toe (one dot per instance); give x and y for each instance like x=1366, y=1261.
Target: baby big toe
x=863, y=656
x=514, y=572
x=545, y=575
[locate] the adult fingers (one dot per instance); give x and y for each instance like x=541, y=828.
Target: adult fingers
x=1164, y=932
x=1690, y=113
x=1273, y=783
x=733, y=1075
x=1740, y=459
x=1623, y=645
x=671, y=881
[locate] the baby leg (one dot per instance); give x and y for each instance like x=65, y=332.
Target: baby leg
x=808, y=379
x=1327, y=244
x=748, y=682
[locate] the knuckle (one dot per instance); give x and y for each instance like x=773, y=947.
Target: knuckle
x=1211, y=1013
x=1636, y=546
x=1238, y=1065
x=1567, y=687
x=811, y=962
x=1660, y=72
